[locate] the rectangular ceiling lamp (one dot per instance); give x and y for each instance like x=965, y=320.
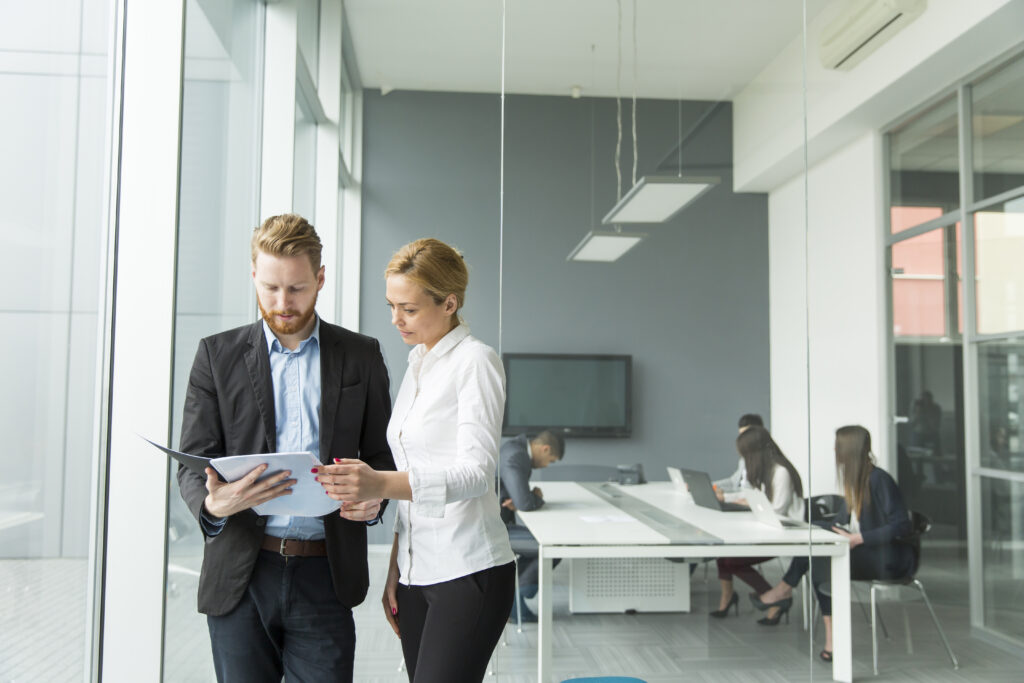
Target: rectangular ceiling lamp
x=604, y=245
x=655, y=199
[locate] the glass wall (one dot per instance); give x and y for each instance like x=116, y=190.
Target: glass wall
x=53, y=180
x=958, y=322
x=218, y=207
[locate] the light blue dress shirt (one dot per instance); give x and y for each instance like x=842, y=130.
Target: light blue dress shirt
x=296, y=379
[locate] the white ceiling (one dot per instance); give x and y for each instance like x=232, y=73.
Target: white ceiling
x=695, y=49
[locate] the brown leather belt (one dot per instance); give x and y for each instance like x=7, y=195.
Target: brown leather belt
x=290, y=547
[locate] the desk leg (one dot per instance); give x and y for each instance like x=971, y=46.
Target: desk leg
x=544, y=634
x=842, y=641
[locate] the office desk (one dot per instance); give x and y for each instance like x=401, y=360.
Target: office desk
x=579, y=523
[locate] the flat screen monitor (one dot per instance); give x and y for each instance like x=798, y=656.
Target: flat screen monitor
x=577, y=394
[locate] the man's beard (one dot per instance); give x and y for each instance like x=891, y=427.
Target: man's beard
x=297, y=324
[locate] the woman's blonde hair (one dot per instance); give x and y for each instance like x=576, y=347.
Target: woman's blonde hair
x=435, y=266
x=854, y=464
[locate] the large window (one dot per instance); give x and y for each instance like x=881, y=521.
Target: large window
x=53, y=129
x=955, y=248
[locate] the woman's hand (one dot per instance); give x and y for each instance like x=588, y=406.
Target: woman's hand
x=390, y=599
x=855, y=539
x=360, y=512
x=351, y=480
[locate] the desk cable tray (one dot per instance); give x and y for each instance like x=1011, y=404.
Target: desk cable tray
x=669, y=526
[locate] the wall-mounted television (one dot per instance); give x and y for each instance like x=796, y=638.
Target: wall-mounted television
x=577, y=394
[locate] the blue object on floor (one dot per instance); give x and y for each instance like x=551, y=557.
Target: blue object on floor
x=605, y=679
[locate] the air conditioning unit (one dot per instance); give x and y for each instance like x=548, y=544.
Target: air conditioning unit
x=862, y=28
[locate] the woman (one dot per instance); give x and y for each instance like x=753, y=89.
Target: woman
x=875, y=520
x=770, y=471
x=451, y=578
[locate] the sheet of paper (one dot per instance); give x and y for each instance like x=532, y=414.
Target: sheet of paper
x=307, y=498
x=613, y=518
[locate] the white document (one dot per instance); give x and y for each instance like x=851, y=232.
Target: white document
x=307, y=498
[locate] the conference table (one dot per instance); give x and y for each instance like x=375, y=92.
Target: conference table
x=607, y=520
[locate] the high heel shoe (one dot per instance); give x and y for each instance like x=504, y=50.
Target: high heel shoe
x=755, y=599
x=734, y=601
x=783, y=606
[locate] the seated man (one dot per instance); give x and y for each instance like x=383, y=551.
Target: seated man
x=519, y=457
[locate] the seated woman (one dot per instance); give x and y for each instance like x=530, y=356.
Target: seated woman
x=877, y=518
x=770, y=471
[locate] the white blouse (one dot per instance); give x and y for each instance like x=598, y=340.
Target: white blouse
x=785, y=502
x=445, y=431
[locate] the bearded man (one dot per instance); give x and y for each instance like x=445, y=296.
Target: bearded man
x=278, y=591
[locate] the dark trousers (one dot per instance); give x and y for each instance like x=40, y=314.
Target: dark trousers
x=289, y=623
x=743, y=569
x=865, y=564
x=449, y=629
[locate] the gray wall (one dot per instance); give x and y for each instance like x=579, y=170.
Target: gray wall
x=690, y=303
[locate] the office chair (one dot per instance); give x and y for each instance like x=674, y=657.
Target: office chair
x=921, y=526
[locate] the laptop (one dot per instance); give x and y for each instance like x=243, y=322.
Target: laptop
x=764, y=513
x=703, y=493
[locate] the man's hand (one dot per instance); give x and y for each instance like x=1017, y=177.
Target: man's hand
x=224, y=500
x=351, y=480
x=537, y=492
x=361, y=512
x=508, y=504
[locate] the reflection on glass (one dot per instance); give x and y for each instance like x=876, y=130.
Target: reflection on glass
x=999, y=131
x=52, y=142
x=926, y=290
x=1001, y=401
x=923, y=161
x=1003, y=555
x=309, y=35
x=999, y=253
x=217, y=212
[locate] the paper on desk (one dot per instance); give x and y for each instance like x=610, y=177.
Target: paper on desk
x=307, y=498
x=607, y=519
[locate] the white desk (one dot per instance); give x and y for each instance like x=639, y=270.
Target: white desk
x=576, y=523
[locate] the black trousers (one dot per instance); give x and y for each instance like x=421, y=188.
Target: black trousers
x=289, y=623
x=450, y=629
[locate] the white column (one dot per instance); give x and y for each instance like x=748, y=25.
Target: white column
x=142, y=342
x=352, y=221
x=278, y=158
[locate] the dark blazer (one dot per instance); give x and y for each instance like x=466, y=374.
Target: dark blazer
x=883, y=520
x=516, y=468
x=229, y=410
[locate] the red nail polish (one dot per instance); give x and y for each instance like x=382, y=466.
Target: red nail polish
x=394, y=611
x=336, y=460
x=316, y=478
x=314, y=470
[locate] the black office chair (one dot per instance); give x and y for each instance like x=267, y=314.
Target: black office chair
x=921, y=526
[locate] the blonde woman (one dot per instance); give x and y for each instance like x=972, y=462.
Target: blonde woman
x=451, y=578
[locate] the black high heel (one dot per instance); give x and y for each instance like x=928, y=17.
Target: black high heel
x=755, y=599
x=734, y=601
x=783, y=606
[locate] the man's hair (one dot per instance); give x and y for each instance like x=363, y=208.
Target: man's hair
x=751, y=420
x=287, y=235
x=555, y=441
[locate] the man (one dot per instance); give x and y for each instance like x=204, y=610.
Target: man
x=519, y=457
x=738, y=479
x=278, y=591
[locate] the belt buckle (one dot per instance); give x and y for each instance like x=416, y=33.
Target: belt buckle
x=281, y=550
